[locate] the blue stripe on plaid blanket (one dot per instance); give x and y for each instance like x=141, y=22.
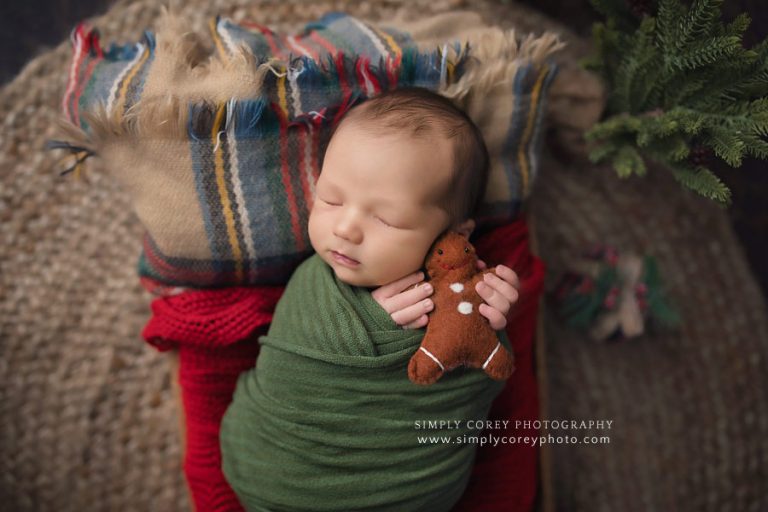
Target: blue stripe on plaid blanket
x=255, y=160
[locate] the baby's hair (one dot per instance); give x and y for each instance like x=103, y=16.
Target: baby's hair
x=421, y=113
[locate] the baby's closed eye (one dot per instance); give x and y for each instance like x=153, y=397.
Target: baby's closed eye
x=390, y=223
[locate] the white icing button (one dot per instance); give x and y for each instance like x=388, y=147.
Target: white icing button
x=457, y=287
x=465, y=308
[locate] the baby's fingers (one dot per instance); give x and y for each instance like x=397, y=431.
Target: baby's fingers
x=382, y=294
x=418, y=323
x=503, y=286
x=402, y=301
x=412, y=315
x=508, y=275
x=494, y=316
x=493, y=297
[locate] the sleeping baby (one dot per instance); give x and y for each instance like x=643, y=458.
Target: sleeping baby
x=327, y=419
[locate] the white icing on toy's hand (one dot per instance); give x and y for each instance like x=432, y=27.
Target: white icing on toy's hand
x=465, y=308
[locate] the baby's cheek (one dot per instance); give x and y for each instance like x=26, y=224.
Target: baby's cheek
x=312, y=229
x=406, y=262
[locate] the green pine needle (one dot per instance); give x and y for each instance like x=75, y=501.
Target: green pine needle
x=677, y=80
x=703, y=181
x=628, y=161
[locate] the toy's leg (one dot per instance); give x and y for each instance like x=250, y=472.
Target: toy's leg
x=425, y=367
x=499, y=364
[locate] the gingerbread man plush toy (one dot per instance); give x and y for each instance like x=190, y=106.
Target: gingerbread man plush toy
x=457, y=334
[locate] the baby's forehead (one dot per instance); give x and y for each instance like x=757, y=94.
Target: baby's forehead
x=411, y=129
x=430, y=138
x=422, y=162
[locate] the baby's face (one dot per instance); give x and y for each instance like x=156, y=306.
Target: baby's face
x=376, y=212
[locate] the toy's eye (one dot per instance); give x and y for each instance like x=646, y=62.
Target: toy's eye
x=466, y=250
x=439, y=251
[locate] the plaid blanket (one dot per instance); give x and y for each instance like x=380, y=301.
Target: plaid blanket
x=220, y=153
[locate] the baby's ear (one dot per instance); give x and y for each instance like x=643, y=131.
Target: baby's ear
x=465, y=228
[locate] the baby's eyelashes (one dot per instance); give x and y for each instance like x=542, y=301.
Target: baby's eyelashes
x=398, y=224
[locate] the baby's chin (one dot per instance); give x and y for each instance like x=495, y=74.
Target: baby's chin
x=355, y=278
x=360, y=276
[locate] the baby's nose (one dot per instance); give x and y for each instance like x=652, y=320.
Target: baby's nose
x=348, y=229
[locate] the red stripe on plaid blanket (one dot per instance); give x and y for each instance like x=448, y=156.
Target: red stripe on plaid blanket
x=323, y=42
x=92, y=46
x=392, y=66
x=316, y=122
x=171, y=273
x=366, y=78
x=346, y=91
x=285, y=174
x=268, y=36
x=303, y=49
x=81, y=87
x=302, y=139
x=80, y=41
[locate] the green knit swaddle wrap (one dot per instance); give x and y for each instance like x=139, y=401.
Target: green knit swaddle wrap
x=327, y=420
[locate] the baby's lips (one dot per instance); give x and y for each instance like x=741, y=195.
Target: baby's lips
x=343, y=257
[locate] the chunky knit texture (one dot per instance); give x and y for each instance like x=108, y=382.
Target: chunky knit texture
x=215, y=334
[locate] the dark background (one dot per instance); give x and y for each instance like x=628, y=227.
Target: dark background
x=29, y=28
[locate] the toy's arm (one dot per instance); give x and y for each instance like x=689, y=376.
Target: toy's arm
x=480, y=276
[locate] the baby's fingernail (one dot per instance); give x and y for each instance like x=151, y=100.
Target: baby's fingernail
x=428, y=288
x=427, y=304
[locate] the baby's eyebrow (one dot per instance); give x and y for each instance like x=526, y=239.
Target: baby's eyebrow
x=326, y=183
x=383, y=201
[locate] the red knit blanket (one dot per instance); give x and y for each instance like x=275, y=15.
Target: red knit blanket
x=216, y=333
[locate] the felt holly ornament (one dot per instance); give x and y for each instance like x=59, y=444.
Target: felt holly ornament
x=457, y=334
x=613, y=296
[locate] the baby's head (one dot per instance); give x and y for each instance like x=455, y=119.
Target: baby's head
x=400, y=169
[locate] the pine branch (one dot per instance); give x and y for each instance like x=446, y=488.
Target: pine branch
x=702, y=181
x=682, y=90
x=706, y=52
x=627, y=161
x=669, y=16
x=697, y=22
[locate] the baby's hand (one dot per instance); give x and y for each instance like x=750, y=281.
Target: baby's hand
x=500, y=292
x=407, y=308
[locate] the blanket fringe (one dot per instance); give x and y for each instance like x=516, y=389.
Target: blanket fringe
x=485, y=58
x=497, y=55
